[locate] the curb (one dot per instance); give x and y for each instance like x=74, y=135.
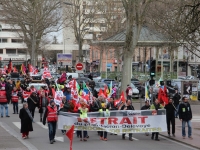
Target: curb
x=180, y=141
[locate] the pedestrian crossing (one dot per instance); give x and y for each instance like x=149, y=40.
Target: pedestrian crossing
x=196, y=118
x=18, y=125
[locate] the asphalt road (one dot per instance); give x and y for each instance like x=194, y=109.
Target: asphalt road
x=39, y=138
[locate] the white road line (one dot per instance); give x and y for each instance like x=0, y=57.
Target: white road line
x=61, y=139
x=17, y=136
x=176, y=142
x=17, y=124
x=40, y=124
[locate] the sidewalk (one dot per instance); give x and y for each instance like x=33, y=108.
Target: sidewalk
x=178, y=132
x=9, y=142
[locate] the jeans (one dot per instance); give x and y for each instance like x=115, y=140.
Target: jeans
x=84, y=134
x=6, y=108
x=43, y=110
x=103, y=134
x=52, y=130
x=15, y=107
x=189, y=128
x=156, y=134
x=176, y=112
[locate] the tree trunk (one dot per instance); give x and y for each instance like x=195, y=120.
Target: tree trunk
x=126, y=71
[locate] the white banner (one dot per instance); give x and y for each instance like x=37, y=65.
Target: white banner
x=58, y=97
x=137, y=121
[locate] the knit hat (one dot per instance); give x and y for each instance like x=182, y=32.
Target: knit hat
x=51, y=101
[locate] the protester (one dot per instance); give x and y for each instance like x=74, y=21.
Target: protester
x=26, y=121
x=15, y=99
x=129, y=92
x=83, y=115
x=3, y=102
x=146, y=107
x=9, y=87
x=65, y=108
x=51, y=116
x=111, y=104
x=185, y=115
x=67, y=93
x=127, y=106
x=170, y=110
x=176, y=100
x=43, y=103
x=32, y=103
x=104, y=112
x=155, y=106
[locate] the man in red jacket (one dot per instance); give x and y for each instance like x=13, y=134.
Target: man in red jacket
x=3, y=102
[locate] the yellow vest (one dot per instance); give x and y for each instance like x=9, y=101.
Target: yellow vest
x=83, y=113
x=105, y=113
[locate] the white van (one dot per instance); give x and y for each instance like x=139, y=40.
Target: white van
x=74, y=75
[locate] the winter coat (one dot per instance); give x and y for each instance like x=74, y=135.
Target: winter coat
x=170, y=110
x=26, y=122
x=185, y=112
x=176, y=99
x=31, y=104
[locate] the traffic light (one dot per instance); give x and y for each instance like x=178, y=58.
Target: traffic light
x=153, y=68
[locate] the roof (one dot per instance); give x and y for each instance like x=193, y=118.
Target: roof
x=148, y=37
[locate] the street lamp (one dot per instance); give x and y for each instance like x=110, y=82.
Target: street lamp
x=79, y=30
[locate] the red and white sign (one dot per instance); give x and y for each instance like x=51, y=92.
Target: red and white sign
x=79, y=66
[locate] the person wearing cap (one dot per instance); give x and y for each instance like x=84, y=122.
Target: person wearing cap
x=51, y=116
x=32, y=103
x=170, y=110
x=185, y=116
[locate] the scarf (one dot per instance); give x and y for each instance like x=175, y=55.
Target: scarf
x=29, y=114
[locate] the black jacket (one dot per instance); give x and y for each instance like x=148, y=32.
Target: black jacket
x=31, y=104
x=112, y=106
x=176, y=99
x=66, y=107
x=145, y=107
x=26, y=122
x=95, y=106
x=170, y=110
x=185, y=112
x=128, y=107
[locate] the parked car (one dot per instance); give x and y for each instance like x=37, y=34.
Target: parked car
x=139, y=86
x=134, y=89
x=37, y=85
x=189, y=77
x=82, y=79
x=99, y=85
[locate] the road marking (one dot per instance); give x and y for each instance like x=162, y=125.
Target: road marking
x=17, y=124
x=176, y=142
x=16, y=135
x=195, y=119
x=61, y=139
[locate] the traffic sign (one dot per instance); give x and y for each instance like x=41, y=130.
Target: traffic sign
x=79, y=67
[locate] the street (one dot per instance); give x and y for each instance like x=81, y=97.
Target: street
x=38, y=139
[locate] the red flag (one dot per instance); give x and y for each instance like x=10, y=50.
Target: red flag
x=106, y=91
x=101, y=93
x=9, y=66
x=122, y=97
x=162, y=95
x=70, y=134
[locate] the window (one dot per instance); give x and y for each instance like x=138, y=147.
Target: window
x=110, y=55
x=21, y=51
x=3, y=40
x=1, y=51
x=17, y=41
x=11, y=51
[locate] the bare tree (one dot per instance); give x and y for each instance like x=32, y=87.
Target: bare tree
x=135, y=11
x=79, y=15
x=35, y=18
